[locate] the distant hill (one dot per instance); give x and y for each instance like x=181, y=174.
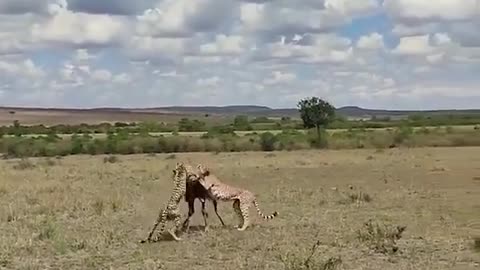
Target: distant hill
x=347, y=111
x=353, y=111
x=30, y=115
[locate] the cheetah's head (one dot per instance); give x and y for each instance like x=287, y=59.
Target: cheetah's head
x=202, y=174
x=179, y=169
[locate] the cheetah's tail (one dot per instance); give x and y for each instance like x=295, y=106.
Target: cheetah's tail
x=274, y=214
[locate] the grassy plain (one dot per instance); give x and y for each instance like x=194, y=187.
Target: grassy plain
x=83, y=212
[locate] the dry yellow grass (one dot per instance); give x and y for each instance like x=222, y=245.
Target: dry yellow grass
x=80, y=212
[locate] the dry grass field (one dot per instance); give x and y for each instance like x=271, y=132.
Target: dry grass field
x=75, y=117
x=80, y=212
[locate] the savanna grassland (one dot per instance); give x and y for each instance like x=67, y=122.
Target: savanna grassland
x=421, y=207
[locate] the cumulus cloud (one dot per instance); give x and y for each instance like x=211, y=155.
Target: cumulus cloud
x=426, y=10
x=352, y=7
x=415, y=45
x=180, y=18
x=81, y=29
x=26, y=68
x=279, y=77
x=224, y=45
x=102, y=75
x=208, y=82
x=371, y=41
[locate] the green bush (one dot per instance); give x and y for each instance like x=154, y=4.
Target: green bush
x=267, y=141
x=402, y=134
x=317, y=142
x=217, y=131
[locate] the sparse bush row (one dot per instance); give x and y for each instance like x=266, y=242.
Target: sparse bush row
x=239, y=123
x=227, y=141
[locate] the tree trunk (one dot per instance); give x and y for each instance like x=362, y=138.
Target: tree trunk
x=319, y=136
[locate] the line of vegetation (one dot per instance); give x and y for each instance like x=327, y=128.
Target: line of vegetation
x=239, y=123
x=224, y=140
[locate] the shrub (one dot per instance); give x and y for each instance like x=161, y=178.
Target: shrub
x=217, y=131
x=111, y=159
x=402, y=134
x=380, y=238
x=423, y=130
x=306, y=259
x=317, y=141
x=449, y=130
x=24, y=164
x=267, y=141
x=213, y=145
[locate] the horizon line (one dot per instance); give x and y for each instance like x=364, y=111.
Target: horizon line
x=216, y=106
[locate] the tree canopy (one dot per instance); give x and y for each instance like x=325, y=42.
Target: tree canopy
x=316, y=112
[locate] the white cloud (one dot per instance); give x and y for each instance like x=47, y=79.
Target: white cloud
x=408, y=10
x=321, y=48
x=208, y=82
x=442, y=39
x=83, y=55
x=122, y=78
x=25, y=68
x=180, y=18
x=351, y=7
x=401, y=29
x=224, y=45
x=279, y=77
x=9, y=44
x=415, y=45
x=102, y=75
x=67, y=27
x=434, y=58
x=274, y=18
x=371, y=41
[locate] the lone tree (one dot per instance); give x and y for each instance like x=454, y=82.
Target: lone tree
x=316, y=113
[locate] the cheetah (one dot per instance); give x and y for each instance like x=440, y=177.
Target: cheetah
x=196, y=190
x=242, y=198
x=171, y=209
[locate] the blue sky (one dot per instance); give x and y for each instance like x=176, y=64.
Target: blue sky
x=396, y=54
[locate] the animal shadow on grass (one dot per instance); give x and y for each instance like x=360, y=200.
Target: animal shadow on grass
x=182, y=233
x=194, y=229
x=201, y=229
x=476, y=244
x=164, y=237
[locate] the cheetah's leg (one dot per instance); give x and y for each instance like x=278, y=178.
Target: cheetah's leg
x=161, y=219
x=177, y=217
x=216, y=212
x=244, y=206
x=191, y=211
x=236, y=207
